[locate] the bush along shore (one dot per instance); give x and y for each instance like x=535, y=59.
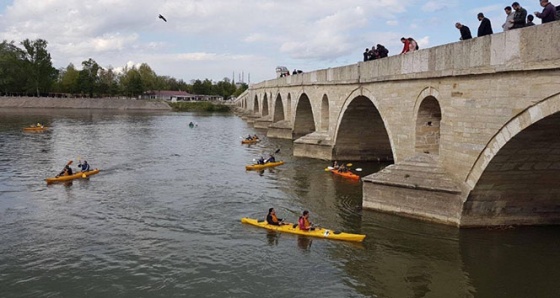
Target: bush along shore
x=198, y=106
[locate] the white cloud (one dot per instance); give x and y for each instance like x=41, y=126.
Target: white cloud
x=212, y=38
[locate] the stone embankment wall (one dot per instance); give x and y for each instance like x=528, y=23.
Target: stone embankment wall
x=81, y=103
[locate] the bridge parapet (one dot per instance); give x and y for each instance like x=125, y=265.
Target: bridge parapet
x=536, y=47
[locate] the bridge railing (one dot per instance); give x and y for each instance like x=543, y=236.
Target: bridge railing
x=535, y=47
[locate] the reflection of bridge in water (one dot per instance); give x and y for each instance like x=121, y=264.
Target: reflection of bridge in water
x=471, y=126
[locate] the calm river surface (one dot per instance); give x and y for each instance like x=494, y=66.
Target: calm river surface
x=162, y=219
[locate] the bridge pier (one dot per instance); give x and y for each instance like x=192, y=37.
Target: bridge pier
x=314, y=145
x=280, y=130
x=263, y=122
x=415, y=188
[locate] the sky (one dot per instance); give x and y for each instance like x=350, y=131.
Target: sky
x=216, y=39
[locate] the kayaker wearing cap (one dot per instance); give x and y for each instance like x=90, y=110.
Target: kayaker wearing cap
x=304, y=223
x=84, y=166
x=271, y=218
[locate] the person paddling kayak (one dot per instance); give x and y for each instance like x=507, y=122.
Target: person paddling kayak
x=304, y=223
x=271, y=218
x=67, y=171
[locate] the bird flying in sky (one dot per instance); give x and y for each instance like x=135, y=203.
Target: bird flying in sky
x=161, y=17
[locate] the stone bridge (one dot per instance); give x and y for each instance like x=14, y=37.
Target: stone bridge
x=473, y=127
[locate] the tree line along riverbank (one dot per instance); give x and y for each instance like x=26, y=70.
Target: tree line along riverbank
x=109, y=103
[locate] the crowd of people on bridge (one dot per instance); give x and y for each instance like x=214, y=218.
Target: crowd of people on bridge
x=516, y=17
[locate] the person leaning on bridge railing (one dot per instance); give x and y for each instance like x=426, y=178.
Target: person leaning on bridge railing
x=548, y=14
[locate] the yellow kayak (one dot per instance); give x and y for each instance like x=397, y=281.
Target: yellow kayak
x=252, y=141
x=318, y=232
x=266, y=165
x=35, y=128
x=72, y=177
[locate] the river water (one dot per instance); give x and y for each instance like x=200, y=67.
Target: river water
x=162, y=219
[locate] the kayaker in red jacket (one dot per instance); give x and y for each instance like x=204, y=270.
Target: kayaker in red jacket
x=304, y=223
x=271, y=218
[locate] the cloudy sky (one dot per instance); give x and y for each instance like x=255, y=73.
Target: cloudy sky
x=215, y=38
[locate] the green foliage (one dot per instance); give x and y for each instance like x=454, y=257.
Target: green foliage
x=29, y=70
x=204, y=106
x=38, y=64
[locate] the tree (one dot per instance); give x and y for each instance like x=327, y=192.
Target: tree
x=38, y=65
x=108, y=82
x=12, y=74
x=88, y=79
x=149, y=77
x=131, y=82
x=69, y=80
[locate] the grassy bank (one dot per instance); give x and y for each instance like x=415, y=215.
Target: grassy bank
x=198, y=106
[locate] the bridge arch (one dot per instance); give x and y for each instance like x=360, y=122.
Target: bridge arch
x=324, y=126
x=256, y=105
x=278, y=109
x=370, y=142
x=265, y=106
x=304, y=122
x=516, y=178
x=428, y=122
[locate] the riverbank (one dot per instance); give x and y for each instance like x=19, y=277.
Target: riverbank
x=82, y=103
x=198, y=106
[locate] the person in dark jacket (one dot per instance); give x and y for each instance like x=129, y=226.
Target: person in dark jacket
x=519, y=17
x=366, y=55
x=548, y=14
x=84, y=166
x=382, y=51
x=465, y=31
x=485, y=27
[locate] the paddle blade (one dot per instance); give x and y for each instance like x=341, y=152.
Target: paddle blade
x=277, y=150
x=348, y=164
x=70, y=162
x=327, y=169
x=358, y=169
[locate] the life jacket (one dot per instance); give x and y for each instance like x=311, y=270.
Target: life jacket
x=304, y=223
x=274, y=218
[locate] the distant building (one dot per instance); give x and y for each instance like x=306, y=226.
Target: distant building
x=175, y=96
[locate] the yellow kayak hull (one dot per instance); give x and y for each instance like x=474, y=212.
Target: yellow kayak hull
x=253, y=141
x=266, y=165
x=35, y=128
x=318, y=232
x=72, y=177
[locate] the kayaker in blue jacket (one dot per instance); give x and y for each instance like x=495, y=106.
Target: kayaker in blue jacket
x=84, y=166
x=271, y=218
x=260, y=161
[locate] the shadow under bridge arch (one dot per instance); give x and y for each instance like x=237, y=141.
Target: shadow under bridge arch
x=362, y=134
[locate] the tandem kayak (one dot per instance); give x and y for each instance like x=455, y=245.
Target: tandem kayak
x=249, y=141
x=318, y=232
x=35, y=128
x=266, y=165
x=348, y=174
x=72, y=177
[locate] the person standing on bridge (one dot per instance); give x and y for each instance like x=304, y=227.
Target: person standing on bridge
x=485, y=27
x=548, y=14
x=519, y=16
x=509, y=19
x=465, y=31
